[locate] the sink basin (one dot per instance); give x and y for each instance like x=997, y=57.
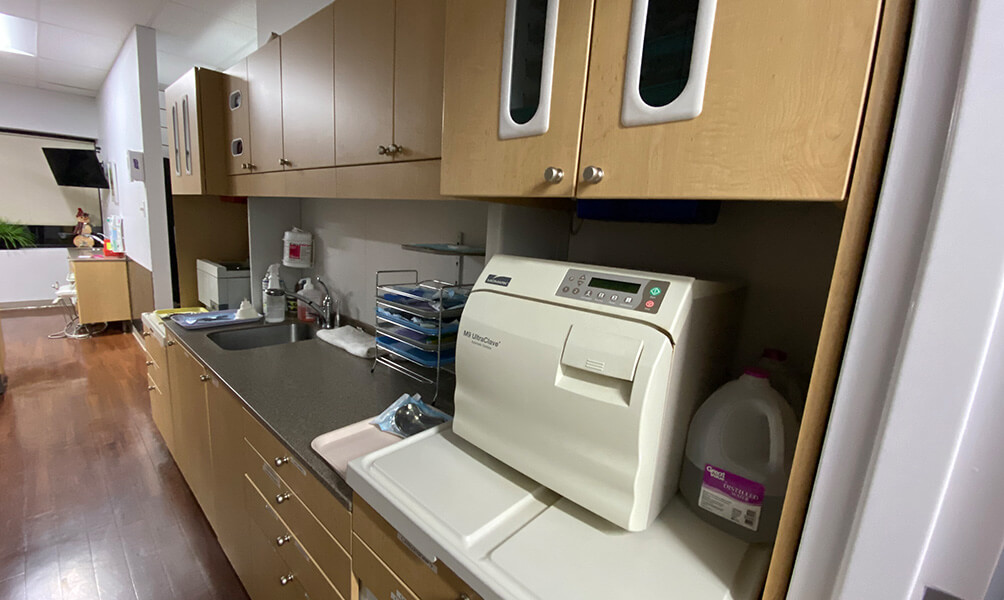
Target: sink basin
x=258, y=337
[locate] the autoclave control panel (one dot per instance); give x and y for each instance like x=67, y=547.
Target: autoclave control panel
x=621, y=291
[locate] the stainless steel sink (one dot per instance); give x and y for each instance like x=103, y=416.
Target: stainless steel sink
x=258, y=337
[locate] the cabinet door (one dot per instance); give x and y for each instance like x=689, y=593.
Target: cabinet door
x=308, y=109
x=173, y=96
x=102, y=291
x=782, y=100
x=191, y=424
x=237, y=124
x=501, y=132
x=160, y=409
x=364, y=81
x=226, y=435
x=418, y=79
x=265, y=106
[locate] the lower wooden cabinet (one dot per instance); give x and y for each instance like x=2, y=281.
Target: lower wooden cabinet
x=190, y=423
x=102, y=290
x=159, y=385
x=230, y=520
x=374, y=575
x=376, y=544
x=285, y=534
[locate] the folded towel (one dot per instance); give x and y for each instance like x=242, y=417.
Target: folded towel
x=352, y=340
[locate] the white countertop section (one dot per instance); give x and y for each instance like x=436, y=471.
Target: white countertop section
x=512, y=539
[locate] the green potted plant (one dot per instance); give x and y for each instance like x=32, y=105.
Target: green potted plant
x=15, y=235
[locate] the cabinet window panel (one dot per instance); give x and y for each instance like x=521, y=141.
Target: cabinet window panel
x=527, y=67
x=528, y=59
x=667, y=62
x=666, y=50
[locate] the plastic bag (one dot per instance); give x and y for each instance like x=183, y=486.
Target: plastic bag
x=403, y=421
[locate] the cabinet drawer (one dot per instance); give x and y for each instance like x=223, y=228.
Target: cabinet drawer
x=327, y=553
x=155, y=348
x=158, y=376
x=321, y=502
x=286, y=544
x=268, y=569
x=374, y=575
x=430, y=582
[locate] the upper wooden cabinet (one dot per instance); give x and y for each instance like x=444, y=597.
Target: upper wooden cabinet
x=364, y=81
x=476, y=160
x=237, y=124
x=265, y=107
x=684, y=99
x=308, y=99
x=388, y=80
x=195, y=133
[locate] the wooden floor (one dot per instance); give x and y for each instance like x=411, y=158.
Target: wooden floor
x=91, y=503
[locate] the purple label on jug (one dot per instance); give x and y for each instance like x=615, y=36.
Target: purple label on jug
x=732, y=485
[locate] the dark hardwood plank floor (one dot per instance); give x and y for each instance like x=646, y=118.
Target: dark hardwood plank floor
x=91, y=503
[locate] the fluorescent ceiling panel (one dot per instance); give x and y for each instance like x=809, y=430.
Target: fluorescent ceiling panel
x=18, y=36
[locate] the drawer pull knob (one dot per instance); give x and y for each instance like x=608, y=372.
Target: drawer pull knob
x=203, y=377
x=281, y=460
x=280, y=498
x=170, y=342
x=145, y=334
x=463, y=596
x=149, y=363
x=382, y=150
x=150, y=388
x=285, y=579
x=553, y=175
x=281, y=540
x=592, y=174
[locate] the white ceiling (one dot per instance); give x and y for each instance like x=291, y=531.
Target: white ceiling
x=78, y=40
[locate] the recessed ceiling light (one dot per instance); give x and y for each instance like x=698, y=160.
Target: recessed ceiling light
x=18, y=36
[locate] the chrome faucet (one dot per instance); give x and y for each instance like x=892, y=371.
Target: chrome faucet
x=327, y=312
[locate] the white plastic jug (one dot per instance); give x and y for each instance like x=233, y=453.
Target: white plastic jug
x=738, y=458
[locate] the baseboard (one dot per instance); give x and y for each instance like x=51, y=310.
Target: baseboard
x=26, y=304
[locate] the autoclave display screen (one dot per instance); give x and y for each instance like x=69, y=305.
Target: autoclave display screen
x=617, y=286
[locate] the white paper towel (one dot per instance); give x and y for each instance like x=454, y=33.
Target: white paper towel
x=352, y=340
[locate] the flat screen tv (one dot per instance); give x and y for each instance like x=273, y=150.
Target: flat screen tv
x=76, y=168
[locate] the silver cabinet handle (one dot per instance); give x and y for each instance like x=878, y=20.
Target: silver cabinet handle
x=282, y=539
x=149, y=363
x=151, y=388
x=285, y=579
x=592, y=174
x=281, y=460
x=382, y=150
x=395, y=149
x=463, y=596
x=170, y=342
x=145, y=334
x=280, y=498
x=203, y=377
x=553, y=175
x=285, y=163
x=249, y=166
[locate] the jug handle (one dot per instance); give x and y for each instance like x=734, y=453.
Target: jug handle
x=775, y=423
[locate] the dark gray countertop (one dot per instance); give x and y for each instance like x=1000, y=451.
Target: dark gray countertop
x=301, y=390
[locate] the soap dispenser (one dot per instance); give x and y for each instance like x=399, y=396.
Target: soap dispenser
x=273, y=297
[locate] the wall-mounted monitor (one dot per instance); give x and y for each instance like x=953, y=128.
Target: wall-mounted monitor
x=76, y=168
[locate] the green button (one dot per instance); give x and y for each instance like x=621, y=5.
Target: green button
x=655, y=291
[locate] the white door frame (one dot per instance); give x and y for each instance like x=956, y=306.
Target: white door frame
x=908, y=468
